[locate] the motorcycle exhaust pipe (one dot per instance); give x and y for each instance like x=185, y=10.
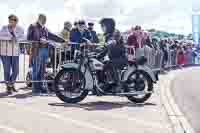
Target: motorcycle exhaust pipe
x=135, y=93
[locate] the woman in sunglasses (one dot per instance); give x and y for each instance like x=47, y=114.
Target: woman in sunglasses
x=9, y=51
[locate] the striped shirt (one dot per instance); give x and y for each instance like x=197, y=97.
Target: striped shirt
x=8, y=47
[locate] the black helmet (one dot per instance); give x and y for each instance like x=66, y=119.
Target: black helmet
x=109, y=23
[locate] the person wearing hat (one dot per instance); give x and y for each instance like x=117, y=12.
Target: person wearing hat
x=79, y=36
x=66, y=31
x=65, y=34
x=76, y=25
x=9, y=52
x=93, y=33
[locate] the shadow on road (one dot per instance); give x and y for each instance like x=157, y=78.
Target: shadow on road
x=3, y=95
x=18, y=96
x=101, y=105
x=25, y=95
x=22, y=96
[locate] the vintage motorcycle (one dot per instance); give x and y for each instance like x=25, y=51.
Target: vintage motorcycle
x=77, y=79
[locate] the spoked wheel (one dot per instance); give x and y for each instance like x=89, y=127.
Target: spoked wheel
x=140, y=82
x=70, y=85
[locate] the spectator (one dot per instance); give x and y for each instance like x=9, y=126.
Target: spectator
x=180, y=56
x=39, y=33
x=197, y=52
x=163, y=48
x=65, y=34
x=188, y=54
x=10, y=51
x=93, y=33
x=135, y=39
x=132, y=41
x=173, y=48
x=155, y=43
x=79, y=36
x=157, y=52
x=148, y=47
x=194, y=54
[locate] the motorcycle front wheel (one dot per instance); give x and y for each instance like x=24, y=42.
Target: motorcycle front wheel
x=140, y=81
x=70, y=85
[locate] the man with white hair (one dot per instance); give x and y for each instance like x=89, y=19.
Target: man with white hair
x=38, y=32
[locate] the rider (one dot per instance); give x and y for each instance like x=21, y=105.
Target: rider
x=115, y=50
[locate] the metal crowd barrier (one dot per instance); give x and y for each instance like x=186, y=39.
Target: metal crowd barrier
x=156, y=58
x=55, y=55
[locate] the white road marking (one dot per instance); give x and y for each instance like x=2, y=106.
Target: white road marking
x=178, y=120
x=11, y=130
x=62, y=118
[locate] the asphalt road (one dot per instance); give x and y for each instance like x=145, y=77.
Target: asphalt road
x=186, y=91
x=22, y=113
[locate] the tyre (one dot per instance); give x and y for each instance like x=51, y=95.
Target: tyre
x=70, y=85
x=140, y=81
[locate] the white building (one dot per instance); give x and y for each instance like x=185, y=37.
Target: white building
x=196, y=27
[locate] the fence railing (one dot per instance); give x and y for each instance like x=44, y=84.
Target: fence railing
x=159, y=60
x=20, y=60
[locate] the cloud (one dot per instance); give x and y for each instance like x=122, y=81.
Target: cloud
x=170, y=15
x=102, y=8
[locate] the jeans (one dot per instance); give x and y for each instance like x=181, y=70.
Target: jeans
x=39, y=65
x=112, y=69
x=10, y=64
x=113, y=66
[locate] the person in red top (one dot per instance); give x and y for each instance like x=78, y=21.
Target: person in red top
x=180, y=56
x=136, y=40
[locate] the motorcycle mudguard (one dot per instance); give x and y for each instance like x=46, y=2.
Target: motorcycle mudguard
x=144, y=68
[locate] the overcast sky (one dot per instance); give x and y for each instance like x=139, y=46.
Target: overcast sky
x=168, y=15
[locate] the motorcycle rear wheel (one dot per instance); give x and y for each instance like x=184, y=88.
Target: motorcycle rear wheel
x=149, y=83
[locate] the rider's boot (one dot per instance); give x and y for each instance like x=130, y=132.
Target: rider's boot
x=119, y=88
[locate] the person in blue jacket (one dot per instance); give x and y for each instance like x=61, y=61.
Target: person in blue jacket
x=93, y=33
x=79, y=36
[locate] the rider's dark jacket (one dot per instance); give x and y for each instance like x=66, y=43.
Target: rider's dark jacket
x=115, y=51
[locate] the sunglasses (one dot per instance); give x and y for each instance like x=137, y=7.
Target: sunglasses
x=13, y=20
